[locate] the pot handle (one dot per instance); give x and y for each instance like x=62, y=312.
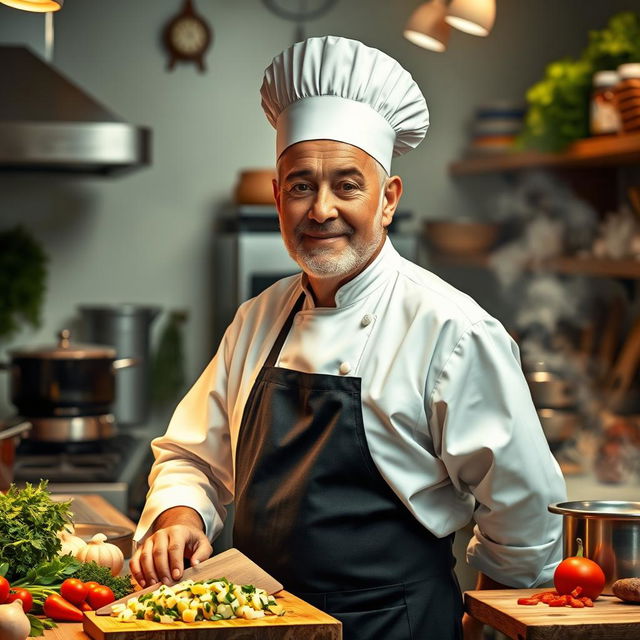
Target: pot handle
x=125, y=363
x=15, y=430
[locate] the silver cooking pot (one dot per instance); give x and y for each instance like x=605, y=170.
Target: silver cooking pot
x=610, y=531
x=550, y=390
x=64, y=380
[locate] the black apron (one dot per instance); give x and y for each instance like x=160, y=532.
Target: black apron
x=314, y=511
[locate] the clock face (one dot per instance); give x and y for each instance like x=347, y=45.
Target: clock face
x=188, y=36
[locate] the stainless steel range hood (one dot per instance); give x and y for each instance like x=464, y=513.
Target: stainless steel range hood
x=47, y=123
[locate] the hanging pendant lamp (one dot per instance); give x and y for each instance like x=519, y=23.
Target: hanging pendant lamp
x=472, y=16
x=427, y=27
x=39, y=6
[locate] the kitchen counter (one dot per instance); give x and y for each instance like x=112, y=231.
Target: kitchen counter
x=91, y=508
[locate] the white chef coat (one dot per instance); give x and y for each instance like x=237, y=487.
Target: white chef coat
x=447, y=412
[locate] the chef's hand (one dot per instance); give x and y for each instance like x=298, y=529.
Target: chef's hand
x=471, y=628
x=178, y=534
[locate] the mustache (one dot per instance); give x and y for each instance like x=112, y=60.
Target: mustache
x=332, y=227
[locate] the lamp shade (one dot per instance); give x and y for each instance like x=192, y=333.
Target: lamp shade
x=427, y=28
x=40, y=6
x=472, y=16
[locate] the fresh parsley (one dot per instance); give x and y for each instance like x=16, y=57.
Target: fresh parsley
x=29, y=523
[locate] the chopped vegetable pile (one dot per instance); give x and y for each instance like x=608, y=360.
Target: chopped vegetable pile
x=554, y=599
x=190, y=601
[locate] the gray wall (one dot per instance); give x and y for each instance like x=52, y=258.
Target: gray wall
x=147, y=237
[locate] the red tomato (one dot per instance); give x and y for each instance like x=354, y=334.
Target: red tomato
x=74, y=591
x=91, y=585
x=4, y=589
x=100, y=596
x=24, y=595
x=578, y=571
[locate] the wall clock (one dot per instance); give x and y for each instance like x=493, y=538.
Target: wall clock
x=187, y=37
x=299, y=11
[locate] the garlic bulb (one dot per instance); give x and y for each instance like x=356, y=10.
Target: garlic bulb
x=14, y=624
x=101, y=552
x=70, y=544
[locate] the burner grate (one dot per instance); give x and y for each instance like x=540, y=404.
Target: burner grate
x=100, y=461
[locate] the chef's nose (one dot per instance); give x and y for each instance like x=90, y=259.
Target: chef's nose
x=323, y=207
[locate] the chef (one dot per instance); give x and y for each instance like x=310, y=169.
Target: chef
x=361, y=412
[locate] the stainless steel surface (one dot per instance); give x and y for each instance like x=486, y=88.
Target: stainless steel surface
x=559, y=425
x=549, y=390
x=610, y=531
x=14, y=429
x=48, y=123
x=73, y=429
x=127, y=328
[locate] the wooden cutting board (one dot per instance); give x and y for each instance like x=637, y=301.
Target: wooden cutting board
x=609, y=619
x=231, y=564
x=301, y=622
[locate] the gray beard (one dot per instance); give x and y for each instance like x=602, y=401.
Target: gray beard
x=324, y=263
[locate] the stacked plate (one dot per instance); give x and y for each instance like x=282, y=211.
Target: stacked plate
x=495, y=127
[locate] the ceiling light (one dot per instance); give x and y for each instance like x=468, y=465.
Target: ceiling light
x=427, y=27
x=472, y=16
x=41, y=6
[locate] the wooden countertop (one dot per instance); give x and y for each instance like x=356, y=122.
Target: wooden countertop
x=87, y=504
x=609, y=619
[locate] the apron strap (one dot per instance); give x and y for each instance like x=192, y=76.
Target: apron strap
x=284, y=332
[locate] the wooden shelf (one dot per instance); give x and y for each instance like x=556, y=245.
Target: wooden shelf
x=606, y=268
x=614, y=150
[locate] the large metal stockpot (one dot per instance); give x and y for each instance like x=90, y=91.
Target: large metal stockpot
x=65, y=380
x=610, y=531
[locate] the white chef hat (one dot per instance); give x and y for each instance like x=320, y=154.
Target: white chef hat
x=339, y=89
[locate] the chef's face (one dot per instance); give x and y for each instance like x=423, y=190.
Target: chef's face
x=334, y=203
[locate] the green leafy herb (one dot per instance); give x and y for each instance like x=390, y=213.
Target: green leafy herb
x=29, y=523
x=90, y=571
x=23, y=278
x=558, y=111
x=38, y=625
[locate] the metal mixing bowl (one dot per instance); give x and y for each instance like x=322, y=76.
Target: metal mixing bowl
x=610, y=531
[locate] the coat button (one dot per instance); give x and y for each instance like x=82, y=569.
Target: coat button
x=345, y=367
x=366, y=320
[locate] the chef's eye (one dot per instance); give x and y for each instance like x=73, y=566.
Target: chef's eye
x=348, y=186
x=300, y=187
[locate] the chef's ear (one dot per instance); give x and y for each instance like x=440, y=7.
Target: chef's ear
x=390, y=199
x=276, y=193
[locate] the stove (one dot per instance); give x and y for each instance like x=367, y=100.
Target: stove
x=98, y=461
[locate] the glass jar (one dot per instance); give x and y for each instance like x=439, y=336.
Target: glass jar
x=604, y=116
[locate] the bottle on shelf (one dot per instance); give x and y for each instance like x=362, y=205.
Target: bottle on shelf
x=604, y=116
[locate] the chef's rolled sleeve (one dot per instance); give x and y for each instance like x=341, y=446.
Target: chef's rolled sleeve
x=491, y=442
x=193, y=461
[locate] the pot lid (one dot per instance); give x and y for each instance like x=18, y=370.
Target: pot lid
x=64, y=350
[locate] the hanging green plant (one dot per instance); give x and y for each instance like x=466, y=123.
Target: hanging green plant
x=558, y=105
x=23, y=278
